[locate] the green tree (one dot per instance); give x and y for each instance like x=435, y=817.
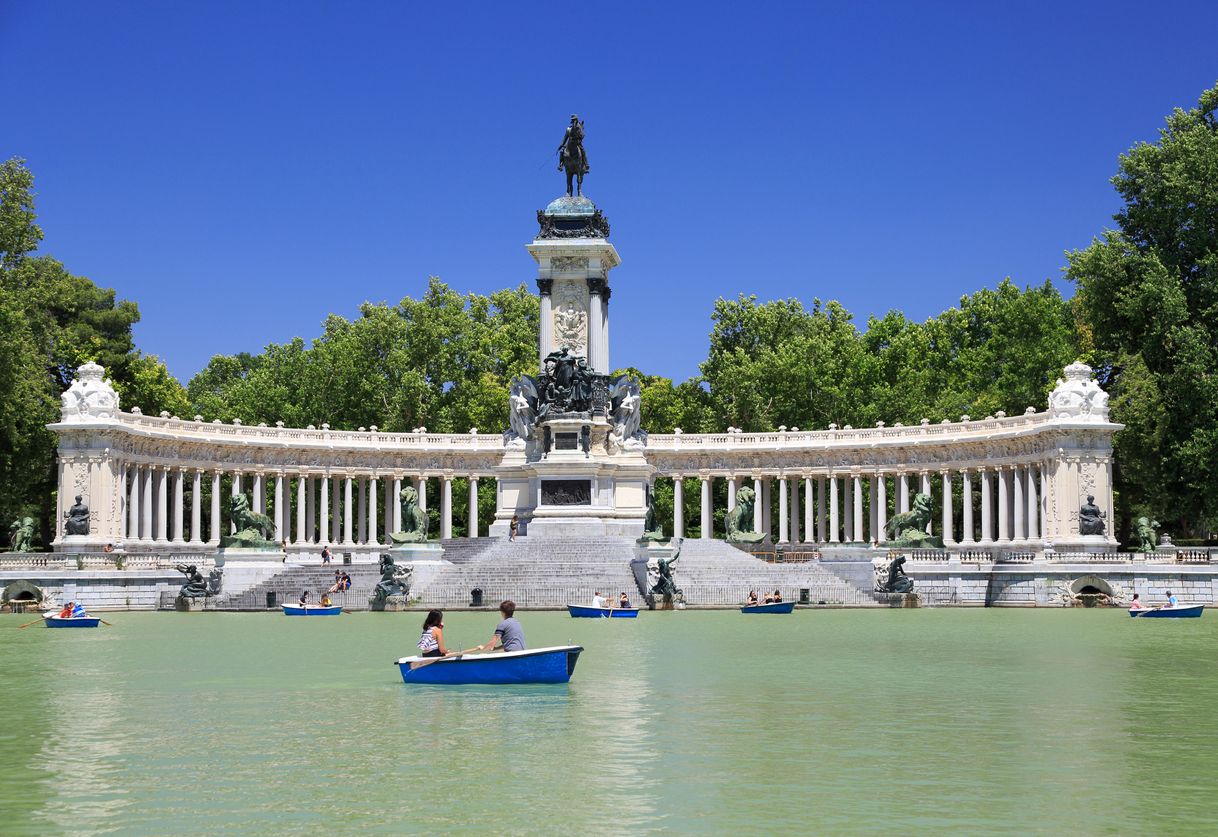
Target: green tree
x=1147, y=305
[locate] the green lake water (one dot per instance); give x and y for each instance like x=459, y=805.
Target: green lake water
x=970, y=721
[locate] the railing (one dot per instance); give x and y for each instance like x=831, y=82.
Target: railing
x=1088, y=557
x=937, y=555
x=30, y=560
x=784, y=557
x=1193, y=556
x=975, y=556
x=101, y=561
x=1018, y=558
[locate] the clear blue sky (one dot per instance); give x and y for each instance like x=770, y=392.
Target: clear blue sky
x=242, y=169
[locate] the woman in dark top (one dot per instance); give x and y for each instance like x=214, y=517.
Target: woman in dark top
x=752, y=599
x=777, y=596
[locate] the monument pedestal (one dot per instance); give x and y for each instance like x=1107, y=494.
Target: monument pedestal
x=184, y=604
x=80, y=544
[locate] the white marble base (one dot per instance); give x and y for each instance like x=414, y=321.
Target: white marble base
x=77, y=544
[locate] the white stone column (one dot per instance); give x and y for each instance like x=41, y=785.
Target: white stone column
x=873, y=516
x=767, y=522
x=731, y=492
x=214, y=535
x=259, y=490
x=809, y=512
x=834, y=528
x=949, y=524
x=280, y=535
x=848, y=509
x=196, y=507
x=420, y=487
x=857, y=482
x=361, y=511
x=1004, y=529
x=323, y=511
x=1033, y=504
x=678, y=506
x=133, y=506
x=707, y=520
x=336, y=503
x=902, y=492
x=784, y=535
x=987, y=507
x=397, y=503
x=924, y=488
x=302, y=503
x=372, y=535
x=546, y=332
x=1017, y=484
x=793, y=499
x=473, y=507
x=881, y=501
x=387, y=524
x=147, y=532
x=162, y=505
x=122, y=502
x=310, y=535
x=966, y=506
x=822, y=519
x=446, y=507
x=757, y=499
x=348, y=508
x=595, y=324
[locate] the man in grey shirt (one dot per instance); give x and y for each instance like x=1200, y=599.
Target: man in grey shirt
x=508, y=633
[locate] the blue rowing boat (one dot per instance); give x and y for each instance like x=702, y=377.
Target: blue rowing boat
x=312, y=610
x=1189, y=612
x=540, y=665
x=590, y=612
x=72, y=621
x=773, y=607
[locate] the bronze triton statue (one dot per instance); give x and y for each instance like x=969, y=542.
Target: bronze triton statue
x=571, y=155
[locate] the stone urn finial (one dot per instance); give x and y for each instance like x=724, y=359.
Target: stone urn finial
x=1077, y=397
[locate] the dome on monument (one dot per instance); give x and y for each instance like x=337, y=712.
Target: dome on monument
x=571, y=207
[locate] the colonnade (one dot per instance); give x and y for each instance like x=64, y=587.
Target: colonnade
x=854, y=506
x=343, y=510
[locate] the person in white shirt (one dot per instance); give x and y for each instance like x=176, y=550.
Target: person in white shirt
x=598, y=600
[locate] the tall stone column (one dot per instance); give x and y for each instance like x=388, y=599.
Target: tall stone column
x=902, y=492
x=336, y=503
x=546, y=336
x=397, y=503
x=196, y=507
x=767, y=522
x=473, y=507
x=857, y=483
x=793, y=499
x=731, y=492
x=848, y=509
x=387, y=524
x=122, y=502
x=162, y=504
x=596, y=323
x=1017, y=484
x=420, y=487
x=236, y=490
x=1033, y=504
x=146, y=519
x=133, y=505
x=987, y=507
x=310, y=535
x=809, y=512
x=678, y=506
x=372, y=537
x=873, y=517
x=361, y=511
x=179, y=505
x=707, y=520
x=323, y=510
x=784, y=535
x=881, y=501
x=348, y=508
x=446, y=507
x=1004, y=529
x=822, y=520
x=966, y=506
x=280, y=534
x=213, y=537
x=757, y=505
x=949, y=525
x=605, y=326
x=302, y=504
x=834, y=529
x=259, y=490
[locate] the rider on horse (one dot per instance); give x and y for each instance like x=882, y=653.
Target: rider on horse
x=573, y=140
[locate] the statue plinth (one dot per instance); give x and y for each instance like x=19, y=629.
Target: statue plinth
x=187, y=604
x=390, y=604
x=79, y=544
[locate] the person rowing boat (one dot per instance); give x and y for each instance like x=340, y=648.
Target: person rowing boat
x=508, y=634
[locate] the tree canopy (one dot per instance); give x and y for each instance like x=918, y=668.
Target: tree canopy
x=1147, y=308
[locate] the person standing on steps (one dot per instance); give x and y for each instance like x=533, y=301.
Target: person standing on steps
x=513, y=528
x=325, y=554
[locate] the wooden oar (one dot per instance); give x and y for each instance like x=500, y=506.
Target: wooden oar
x=428, y=662
x=27, y=624
x=104, y=622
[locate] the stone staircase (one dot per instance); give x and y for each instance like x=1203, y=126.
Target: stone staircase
x=288, y=585
x=712, y=572
x=464, y=550
x=534, y=572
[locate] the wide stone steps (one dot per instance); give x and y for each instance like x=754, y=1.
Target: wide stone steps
x=288, y=585
x=711, y=572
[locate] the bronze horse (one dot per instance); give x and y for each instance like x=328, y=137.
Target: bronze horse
x=571, y=156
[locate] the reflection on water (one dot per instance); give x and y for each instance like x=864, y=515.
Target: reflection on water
x=972, y=721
